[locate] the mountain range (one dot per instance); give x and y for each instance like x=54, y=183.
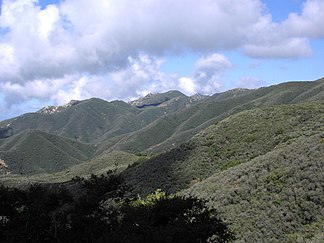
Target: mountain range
x=257, y=155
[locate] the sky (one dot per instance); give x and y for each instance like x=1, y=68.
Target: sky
x=53, y=51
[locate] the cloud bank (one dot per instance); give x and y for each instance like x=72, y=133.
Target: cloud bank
x=114, y=49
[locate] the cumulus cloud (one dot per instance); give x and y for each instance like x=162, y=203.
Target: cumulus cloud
x=208, y=73
x=96, y=36
x=140, y=76
x=114, y=49
x=309, y=23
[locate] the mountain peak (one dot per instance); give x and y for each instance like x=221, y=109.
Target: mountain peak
x=155, y=99
x=55, y=109
x=197, y=97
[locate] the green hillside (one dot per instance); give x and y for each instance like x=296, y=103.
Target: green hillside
x=180, y=126
x=164, y=122
x=158, y=99
x=254, y=155
x=278, y=196
x=262, y=169
x=97, y=165
x=85, y=121
x=230, y=142
x=33, y=151
x=120, y=126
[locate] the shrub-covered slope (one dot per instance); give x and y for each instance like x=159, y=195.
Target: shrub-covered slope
x=262, y=169
x=98, y=165
x=233, y=141
x=277, y=197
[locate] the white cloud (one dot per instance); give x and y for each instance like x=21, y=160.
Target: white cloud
x=140, y=76
x=47, y=18
x=214, y=62
x=209, y=71
x=95, y=36
x=113, y=49
x=187, y=85
x=309, y=23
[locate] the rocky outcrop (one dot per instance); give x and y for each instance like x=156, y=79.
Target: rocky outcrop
x=54, y=109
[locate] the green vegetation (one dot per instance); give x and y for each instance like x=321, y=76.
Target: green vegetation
x=275, y=197
x=230, y=164
x=227, y=144
x=33, y=151
x=98, y=165
x=120, y=126
x=254, y=155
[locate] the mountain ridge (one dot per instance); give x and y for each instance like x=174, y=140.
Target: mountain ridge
x=119, y=126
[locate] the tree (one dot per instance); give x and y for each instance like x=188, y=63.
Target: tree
x=53, y=214
x=163, y=218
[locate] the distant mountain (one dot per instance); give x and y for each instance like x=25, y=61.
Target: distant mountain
x=85, y=121
x=151, y=125
x=180, y=126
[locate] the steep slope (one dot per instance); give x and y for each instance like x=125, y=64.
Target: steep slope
x=277, y=197
x=262, y=169
x=121, y=126
x=233, y=141
x=33, y=151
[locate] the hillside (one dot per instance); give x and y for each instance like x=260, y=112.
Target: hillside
x=277, y=196
x=232, y=141
x=33, y=151
x=180, y=126
x=117, y=126
x=84, y=121
x=262, y=169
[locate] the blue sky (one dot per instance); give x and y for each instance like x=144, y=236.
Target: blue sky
x=54, y=51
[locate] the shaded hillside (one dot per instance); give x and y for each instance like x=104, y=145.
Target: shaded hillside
x=33, y=151
x=98, y=165
x=233, y=141
x=277, y=196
